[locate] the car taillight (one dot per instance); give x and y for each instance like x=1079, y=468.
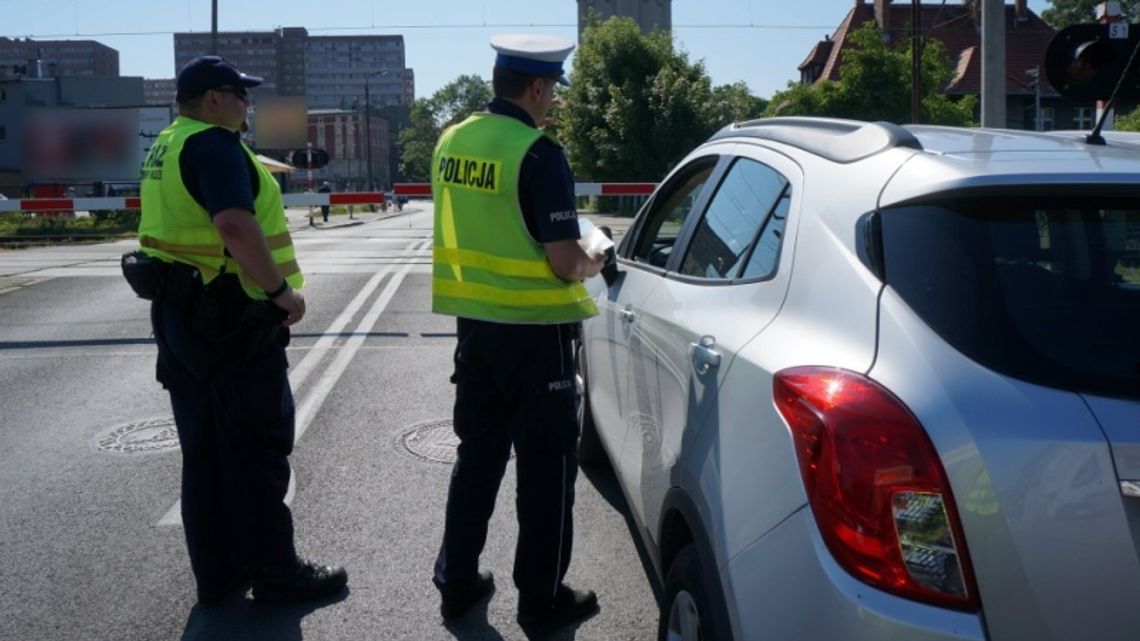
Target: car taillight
x=876, y=486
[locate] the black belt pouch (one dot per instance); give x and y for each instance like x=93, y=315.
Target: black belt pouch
x=145, y=274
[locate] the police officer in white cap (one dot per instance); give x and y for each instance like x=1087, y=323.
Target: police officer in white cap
x=508, y=265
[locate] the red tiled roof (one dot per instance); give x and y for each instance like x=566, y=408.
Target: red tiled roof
x=955, y=26
x=819, y=54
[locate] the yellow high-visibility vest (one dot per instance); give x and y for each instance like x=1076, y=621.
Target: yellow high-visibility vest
x=174, y=227
x=485, y=264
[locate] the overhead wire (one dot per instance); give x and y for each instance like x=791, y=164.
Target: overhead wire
x=396, y=27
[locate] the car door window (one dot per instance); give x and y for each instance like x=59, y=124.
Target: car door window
x=766, y=255
x=664, y=222
x=745, y=201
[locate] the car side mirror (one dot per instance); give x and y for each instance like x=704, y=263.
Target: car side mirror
x=609, y=268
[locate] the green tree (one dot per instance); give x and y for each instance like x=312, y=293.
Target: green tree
x=733, y=103
x=458, y=99
x=1128, y=122
x=636, y=105
x=875, y=84
x=417, y=141
x=430, y=116
x=1063, y=13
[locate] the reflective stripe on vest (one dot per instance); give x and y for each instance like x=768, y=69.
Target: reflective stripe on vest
x=190, y=252
x=485, y=264
x=174, y=227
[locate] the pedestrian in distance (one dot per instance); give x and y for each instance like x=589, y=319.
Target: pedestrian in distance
x=508, y=265
x=325, y=188
x=225, y=291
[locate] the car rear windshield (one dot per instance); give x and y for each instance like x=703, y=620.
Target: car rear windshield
x=1045, y=290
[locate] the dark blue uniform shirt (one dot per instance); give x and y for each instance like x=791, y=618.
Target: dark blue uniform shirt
x=217, y=172
x=546, y=184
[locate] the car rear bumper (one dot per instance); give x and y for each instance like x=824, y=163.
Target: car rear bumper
x=787, y=586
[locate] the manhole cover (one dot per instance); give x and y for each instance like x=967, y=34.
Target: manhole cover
x=432, y=441
x=142, y=437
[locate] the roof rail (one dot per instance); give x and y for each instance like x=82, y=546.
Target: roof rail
x=838, y=140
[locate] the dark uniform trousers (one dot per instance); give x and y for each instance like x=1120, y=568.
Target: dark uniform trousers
x=234, y=412
x=514, y=385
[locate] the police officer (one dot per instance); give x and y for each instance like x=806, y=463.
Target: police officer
x=508, y=264
x=214, y=215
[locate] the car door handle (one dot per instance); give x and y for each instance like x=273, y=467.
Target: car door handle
x=627, y=315
x=704, y=356
x=1130, y=488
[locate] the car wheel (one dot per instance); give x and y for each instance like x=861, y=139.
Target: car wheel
x=590, y=450
x=687, y=614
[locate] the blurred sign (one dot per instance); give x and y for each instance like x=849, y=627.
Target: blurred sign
x=310, y=158
x=281, y=123
x=76, y=145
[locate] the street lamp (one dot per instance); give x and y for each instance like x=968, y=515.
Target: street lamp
x=368, y=122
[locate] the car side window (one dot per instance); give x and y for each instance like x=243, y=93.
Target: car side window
x=664, y=222
x=766, y=255
x=745, y=201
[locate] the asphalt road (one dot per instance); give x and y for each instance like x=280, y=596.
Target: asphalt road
x=90, y=544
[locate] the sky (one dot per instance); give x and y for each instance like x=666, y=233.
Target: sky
x=759, y=42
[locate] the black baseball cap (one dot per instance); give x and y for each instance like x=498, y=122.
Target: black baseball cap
x=210, y=72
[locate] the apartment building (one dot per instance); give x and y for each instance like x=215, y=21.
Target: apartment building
x=345, y=136
x=254, y=52
x=649, y=14
x=332, y=72
x=55, y=58
x=159, y=91
x=342, y=71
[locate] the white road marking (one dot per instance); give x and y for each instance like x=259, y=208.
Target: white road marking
x=308, y=408
x=316, y=397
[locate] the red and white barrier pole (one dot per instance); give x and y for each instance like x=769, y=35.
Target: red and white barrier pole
x=405, y=190
x=423, y=190
x=68, y=204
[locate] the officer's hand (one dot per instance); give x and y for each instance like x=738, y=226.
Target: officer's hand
x=293, y=303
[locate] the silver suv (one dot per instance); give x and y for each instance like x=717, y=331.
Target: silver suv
x=863, y=382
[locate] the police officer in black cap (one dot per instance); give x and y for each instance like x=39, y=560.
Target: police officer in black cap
x=508, y=264
x=213, y=221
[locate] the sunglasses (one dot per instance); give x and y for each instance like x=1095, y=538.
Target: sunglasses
x=238, y=92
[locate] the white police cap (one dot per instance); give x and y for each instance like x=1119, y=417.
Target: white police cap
x=534, y=54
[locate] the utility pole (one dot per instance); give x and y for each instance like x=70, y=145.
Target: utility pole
x=368, y=129
x=368, y=121
x=1035, y=73
x=993, y=63
x=309, y=162
x=213, y=27
x=309, y=167
x=916, y=61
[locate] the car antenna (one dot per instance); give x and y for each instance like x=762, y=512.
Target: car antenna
x=1094, y=138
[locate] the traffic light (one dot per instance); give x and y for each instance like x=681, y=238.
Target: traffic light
x=320, y=158
x=1086, y=61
